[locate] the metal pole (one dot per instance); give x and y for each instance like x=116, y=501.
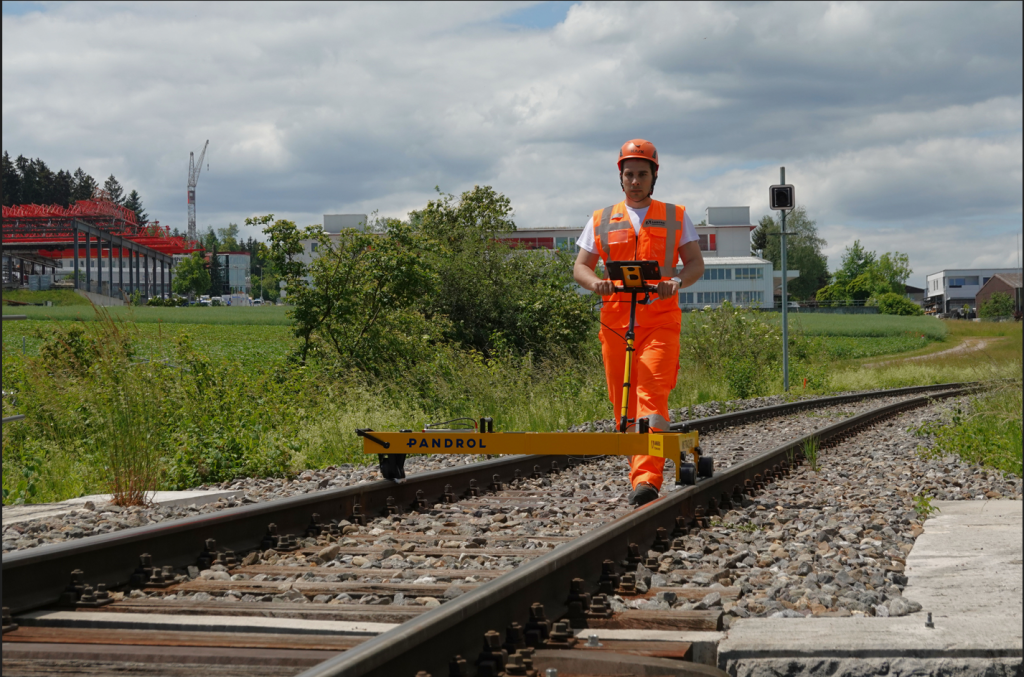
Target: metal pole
x=88, y=263
x=110, y=266
x=785, y=299
x=99, y=264
x=120, y=270
x=76, y=255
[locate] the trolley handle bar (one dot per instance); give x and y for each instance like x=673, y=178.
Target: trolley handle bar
x=365, y=432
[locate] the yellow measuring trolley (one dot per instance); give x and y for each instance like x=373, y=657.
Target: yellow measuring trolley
x=392, y=447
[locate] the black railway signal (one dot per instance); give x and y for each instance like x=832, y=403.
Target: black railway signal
x=782, y=196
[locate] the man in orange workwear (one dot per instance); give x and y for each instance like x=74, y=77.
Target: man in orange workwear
x=641, y=229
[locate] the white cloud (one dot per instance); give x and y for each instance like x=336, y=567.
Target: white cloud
x=897, y=122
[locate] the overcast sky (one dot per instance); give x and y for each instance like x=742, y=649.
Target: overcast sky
x=899, y=124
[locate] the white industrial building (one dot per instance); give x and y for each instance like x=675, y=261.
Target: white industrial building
x=730, y=272
x=333, y=225
x=954, y=288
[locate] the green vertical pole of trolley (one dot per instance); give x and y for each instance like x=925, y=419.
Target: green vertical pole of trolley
x=785, y=298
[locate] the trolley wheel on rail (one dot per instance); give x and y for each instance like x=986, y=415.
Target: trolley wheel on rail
x=392, y=466
x=687, y=474
x=705, y=466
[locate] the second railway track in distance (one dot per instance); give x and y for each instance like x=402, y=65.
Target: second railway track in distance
x=386, y=579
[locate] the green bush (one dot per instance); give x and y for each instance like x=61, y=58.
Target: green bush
x=894, y=304
x=998, y=305
x=738, y=344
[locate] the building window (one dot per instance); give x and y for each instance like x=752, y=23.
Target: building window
x=749, y=297
x=565, y=243
x=713, y=297
x=956, y=282
x=313, y=246
x=686, y=298
x=718, y=274
x=985, y=280
x=750, y=273
x=707, y=243
x=971, y=280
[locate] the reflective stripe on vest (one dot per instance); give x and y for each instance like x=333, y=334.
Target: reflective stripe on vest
x=672, y=227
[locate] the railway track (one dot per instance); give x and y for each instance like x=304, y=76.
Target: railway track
x=386, y=579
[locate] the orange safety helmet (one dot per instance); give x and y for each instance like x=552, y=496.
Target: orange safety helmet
x=638, y=148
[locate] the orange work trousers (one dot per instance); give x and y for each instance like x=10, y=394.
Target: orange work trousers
x=654, y=372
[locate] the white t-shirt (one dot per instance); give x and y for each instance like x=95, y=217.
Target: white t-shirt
x=636, y=217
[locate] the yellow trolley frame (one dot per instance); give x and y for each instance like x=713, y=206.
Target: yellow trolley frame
x=664, y=445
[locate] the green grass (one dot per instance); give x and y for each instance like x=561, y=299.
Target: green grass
x=58, y=297
x=826, y=324
x=987, y=432
x=266, y=315
x=961, y=328
x=155, y=340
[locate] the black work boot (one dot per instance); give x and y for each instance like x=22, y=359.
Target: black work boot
x=643, y=494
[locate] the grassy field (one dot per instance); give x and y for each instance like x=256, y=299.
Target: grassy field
x=58, y=297
x=258, y=315
x=234, y=407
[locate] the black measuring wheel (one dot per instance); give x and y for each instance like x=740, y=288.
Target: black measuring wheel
x=705, y=466
x=687, y=474
x=392, y=466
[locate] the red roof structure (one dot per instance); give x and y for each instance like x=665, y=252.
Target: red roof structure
x=44, y=225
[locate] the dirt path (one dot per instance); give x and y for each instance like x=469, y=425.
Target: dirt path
x=969, y=345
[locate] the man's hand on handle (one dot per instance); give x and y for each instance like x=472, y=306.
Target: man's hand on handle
x=668, y=289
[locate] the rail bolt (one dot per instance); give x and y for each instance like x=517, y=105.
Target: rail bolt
x=633, y=557
x=661, y=543
x=538, y=627
x=537, y=474
x=514, y=639
x=457, y=667
x=392, y=509
x=449, y=497
x=560, y=637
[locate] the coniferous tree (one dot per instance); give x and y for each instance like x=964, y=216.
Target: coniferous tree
x=11, y=182
x=45, y=193
x=134, y=203
x=216, y=281
x=27, y=172
x=83, y=186
x=62, y=186
x=114, y=189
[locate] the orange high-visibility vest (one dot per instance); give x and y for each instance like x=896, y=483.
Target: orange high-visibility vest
x=658, y=241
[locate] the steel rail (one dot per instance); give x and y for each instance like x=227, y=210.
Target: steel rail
x=430, y=641
x=36, y=577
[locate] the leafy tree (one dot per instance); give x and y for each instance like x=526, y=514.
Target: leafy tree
x=892, y=303
x=477, y=215
x=832, y=294
x=803, y=250
x=359, y=309
x=11, y=186
x=1000, y=304
x=83, y=186
x=229, y=238
x=890, y=272
x=134, y=203
x=497, y=298
x=856, y=261
x=191, y=275
x=114, y=189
